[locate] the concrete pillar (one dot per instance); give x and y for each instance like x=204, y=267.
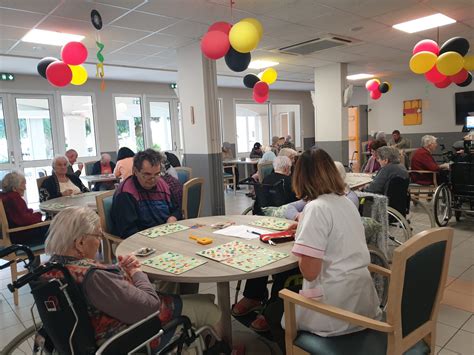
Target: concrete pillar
x=330, y=115
x=197, y=88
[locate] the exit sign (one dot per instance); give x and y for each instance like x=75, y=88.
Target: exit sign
x=173, y=85
x=7, y=77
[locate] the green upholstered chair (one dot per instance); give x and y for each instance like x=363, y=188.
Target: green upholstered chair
x=193, y=192
x=110, y=241
x=184, y=174
x=417, y=279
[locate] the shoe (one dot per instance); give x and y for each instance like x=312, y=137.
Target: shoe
x=238, y=187
x=260, y=324
x=246, y=306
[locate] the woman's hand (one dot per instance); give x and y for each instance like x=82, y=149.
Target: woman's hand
x=292, y=227
x=129, y=263
x=171, y=219
x=67, y=192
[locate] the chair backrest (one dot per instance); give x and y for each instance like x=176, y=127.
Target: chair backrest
x=264, y=169
x=398, y=195
x=193, y=192
x=184, y=174
x=40, y=180
x=420, y=265
x=88, y=167
x=4, y=239
x=462, y=178
x=104, y=205
x=270, y=196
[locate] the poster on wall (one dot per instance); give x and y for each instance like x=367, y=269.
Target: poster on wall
x=412, y=112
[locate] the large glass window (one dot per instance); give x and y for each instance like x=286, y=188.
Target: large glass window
x=251, y=125
x=286, y=122
x=34, y=122
x=129, y=122
x=3, y=136
x=78, y=119
x=160, y=124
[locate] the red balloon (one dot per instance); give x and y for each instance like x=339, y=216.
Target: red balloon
x=426, y=45
x=372, y=85
x=260, y=99
x=58, y=74
x=74, y=53
x=220, y=26
x=375, y=94
x=215, y=44
x=261, y=88
x=459, y=77
x=444, y=84
x=434, y=75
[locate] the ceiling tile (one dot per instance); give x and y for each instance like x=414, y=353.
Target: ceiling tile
x=189, y=29
x=168, y=53
x=123, y=58
x=8, y=32
x=457, y=9
x=42, y=6
x=167, y=41
x=128, y=4
x=143, y=21
x=304, y=12
x=5, y=44
x=81, y=10
x=258, y=7
x=336, y=56
x=67, y=25
x=19, y=18
x=121, y=34
x=36, y=50
x=368, y=8
x=142, y=49
x=154, y=62
x=406, y=14
x=110, y=46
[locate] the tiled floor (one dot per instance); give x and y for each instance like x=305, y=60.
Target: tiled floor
x=455, y=331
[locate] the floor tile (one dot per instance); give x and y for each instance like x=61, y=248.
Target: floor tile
x=469, y=325
x=468, y=275
x=458, y=300
x=9, y=319
x=447, y=352
x=462, y=286
x=444, y=333
x=452, y=316
x=7, y=334
x=455, y=271
x=462, y=342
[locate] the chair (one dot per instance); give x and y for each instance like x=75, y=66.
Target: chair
x=40, y=180
x=110, y=241
x=88, y=167
x=264, y=169
x=5, y=242
x=193, y=192
x=417, y=280
x=230, y=178
x=184, y=174
x=422, y=192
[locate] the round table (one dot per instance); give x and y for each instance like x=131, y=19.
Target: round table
x=56, y=205
x=211, y=271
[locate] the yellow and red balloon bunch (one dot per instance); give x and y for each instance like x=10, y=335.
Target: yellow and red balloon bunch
x=69, y=70
x=377, y=88
x=260, y=84
x=443, y=65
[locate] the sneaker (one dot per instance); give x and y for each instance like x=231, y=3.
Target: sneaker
x=260, y=324
x=246, y=306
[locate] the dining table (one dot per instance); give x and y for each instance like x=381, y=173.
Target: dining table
x=56, y=205
x=212, y=271
x=357, y=180
x=94, y=179
x=247, y=162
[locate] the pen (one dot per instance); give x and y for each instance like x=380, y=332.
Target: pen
x=253, y=232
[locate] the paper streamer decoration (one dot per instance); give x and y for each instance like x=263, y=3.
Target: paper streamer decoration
x=96, y=20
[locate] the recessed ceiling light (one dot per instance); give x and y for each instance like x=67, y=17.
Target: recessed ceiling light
x=359, y=76
x=424, y=23
x=50, y=37
x=260, y=64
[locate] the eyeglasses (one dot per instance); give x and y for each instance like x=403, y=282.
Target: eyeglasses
x=148, y=176
x=97, y=235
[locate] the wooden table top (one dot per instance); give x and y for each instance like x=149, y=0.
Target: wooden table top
x=211, y=271
x=86, y=199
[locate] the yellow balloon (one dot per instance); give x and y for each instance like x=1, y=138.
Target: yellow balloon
x=449, y=63
x=377, y=80
x=469, y=62
x=269, y=76
x=257, y=25
x=422, y=62
x=79, y=74
x=243, y=37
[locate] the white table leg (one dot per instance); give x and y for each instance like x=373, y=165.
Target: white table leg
x=223, y=300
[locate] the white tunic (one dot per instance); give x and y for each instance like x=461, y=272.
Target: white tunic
x=63, y=186
x=331, y=229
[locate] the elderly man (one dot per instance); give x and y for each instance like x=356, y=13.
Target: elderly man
x=71, y=156
x=105, y=166
x=389, y=160
x=288, y=143
x=398, y=141
x=143, y=200
x=423, y=159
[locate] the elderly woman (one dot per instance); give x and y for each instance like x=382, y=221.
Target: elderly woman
x=389, y=160
x=104, y=166
x=116, y=295
x=60, y=183
x=372, y=165
x=18, y=213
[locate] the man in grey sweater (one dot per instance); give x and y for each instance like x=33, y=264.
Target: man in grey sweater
x=389, y=159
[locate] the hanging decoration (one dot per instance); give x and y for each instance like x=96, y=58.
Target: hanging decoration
x=377, y=88
x=443, y=65
x=96, y=20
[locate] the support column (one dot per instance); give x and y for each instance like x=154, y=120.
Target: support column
x=330, y=116
x=197, y=87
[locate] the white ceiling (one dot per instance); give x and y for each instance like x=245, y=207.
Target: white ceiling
x=143, y=36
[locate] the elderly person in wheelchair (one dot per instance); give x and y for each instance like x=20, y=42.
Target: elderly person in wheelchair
x=116, y=295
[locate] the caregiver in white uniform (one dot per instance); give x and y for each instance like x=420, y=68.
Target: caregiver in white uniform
x=331, y=246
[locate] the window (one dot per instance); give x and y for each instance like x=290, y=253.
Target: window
x=3, y=137
x=251, y=126
x=78, y=119
x=286, y=122
x=128, y=112
x=160, y=124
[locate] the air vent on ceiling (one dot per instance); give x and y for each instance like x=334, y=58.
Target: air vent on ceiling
x=316, y=45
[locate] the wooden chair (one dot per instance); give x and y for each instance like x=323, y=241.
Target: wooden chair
x=193, y=192
x=264, y=169
x=422, y=192
x=5, y=241
x=110, y=241
x=230, y=178
x=184, y=174
x=417, y=280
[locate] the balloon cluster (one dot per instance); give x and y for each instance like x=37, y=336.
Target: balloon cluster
x=260, y=84
x=68, y=70
x=376, y=88
x=443, y=65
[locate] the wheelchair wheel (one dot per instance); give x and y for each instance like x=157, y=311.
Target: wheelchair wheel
x=24, y=343
x=442, y=205
x=248, y=210
x=399, y=230
x=381, y=282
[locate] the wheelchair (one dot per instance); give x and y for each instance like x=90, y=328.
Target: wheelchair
x=65, y=326
x=457, y=195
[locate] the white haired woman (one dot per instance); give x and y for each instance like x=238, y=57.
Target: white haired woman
x=18, y=213
x=116, y=295
x=60, y=183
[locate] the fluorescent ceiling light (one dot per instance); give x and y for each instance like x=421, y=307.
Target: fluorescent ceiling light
x=260, y=64
x=359, y=76
x=50, y=37
x=424, y=23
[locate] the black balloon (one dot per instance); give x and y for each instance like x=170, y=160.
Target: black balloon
x=383, y=87
x=467, y=81
x=43, y=64
x=250, y=80
x=96, y=19
x=237, y=61
x=455, y=44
